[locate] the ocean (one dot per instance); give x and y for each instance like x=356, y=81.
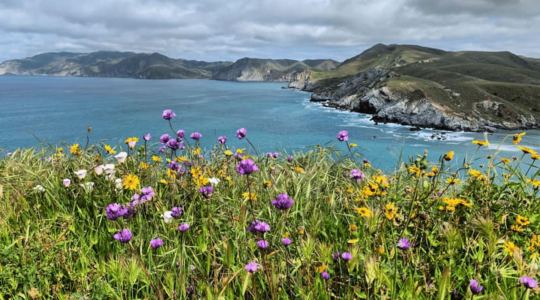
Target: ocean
x=55, y=111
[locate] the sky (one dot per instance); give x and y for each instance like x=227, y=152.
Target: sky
x=216, y=30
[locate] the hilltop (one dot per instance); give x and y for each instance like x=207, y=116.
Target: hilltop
x=427, y=87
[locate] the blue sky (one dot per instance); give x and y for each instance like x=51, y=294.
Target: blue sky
x=214, y=30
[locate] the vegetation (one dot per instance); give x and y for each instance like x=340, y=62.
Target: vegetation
x=228, y=223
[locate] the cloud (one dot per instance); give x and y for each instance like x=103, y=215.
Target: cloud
x=228, y=30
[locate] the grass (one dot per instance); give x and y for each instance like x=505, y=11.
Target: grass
x=463, y=221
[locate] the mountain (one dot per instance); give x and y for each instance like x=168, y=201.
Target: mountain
x=111, y=64
x=426, y=87
x=253, y=69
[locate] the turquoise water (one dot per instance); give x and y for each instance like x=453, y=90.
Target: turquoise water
x=53, y=110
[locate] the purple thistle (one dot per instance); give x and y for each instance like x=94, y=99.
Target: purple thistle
x=147, y=193
x=325, y=275
x=262, y=244
x=222, y=140
x=173, y=145
x=180, y=134
x=346, y=256
x=164, y=138
x=156, y=243
x=196, y=136
x=168, y=114
x=147, y=137
x=476, y=288
x=286, y=242
x=174, y=166
x=206, y=191
x=183, y=227
x=290, y=158
x=115, y=211
x=357, y=175
x=258, y=226
x=404, y=244
x=335, y=256
x=161, y=149
x=365, y=161
x=241, y=133
x=275, y=155
x=528, y=282
x=123, y=237
x=343, y=136
x=246, y=167
x=283, y=202
x=252, y=267
x=176, y=212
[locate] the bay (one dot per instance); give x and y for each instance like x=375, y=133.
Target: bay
x=57, y=111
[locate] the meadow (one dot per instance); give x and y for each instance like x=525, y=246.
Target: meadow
x=161, y=218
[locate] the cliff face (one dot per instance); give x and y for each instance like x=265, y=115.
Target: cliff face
x=443, y=90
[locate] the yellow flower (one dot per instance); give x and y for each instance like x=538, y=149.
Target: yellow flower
x=165, y=182
x=353, y=241
x=197, y=151
x=131, y=182
x=196, y=172
x=171, y=174
x=505, y=160
x=353, y=227
x=301, y=231
x=523, y=221
x=320, y=268
x=144, y=165
x=157, y=159
x=239, y=151
x=299, y=170
x=526, y=150
x=510, y=248
x=201, y=181
x=227, y=152
x=131, y=139
x=60, y=149
x=535, y=156
x=452, y=180
x=249, y=196
x=415, y=170
x=517, y=138
x=391, y=211
x=364, y=212
x=435, y=170
x=516, y=228
x=180, y=159
x=367, y=192
x=449, y=156
x=381, y=250
x=287, y=234
x=352, y=145
x=476, y=174
x=367, y=165
x=535, y=182
x=267, y=183
x=109, y=149
x=480, y=143
x=75, y=149
x=430, y=175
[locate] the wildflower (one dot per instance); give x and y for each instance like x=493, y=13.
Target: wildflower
x=222, y=140
x=173, y=145
x=364, y=212
x=353, y=227
x=184, y=227
x=258, y=227
x=180, y=134
x=118, y=183
x=480, y=143
x=66, y=182
x=283, y=202
x=252, y=267
x=115, y=211
x=156, y=243
x=123, y=237
x=157, y=159
x=343, y=136
x=262, y=244
x=196, y=136
x=246, y=167
x=290, y=158
x=517, y=138
x=415, y=170
x=75, y=150
x=131, y=142
x=88, y=187
x=168, y=114
x=352, y=145
x=214, y=181
x=353, y=241
x=241, y=133
x=505, y=160
x=516, y=228
x=121, y=157
x=267, y=183
x=147, y=137
x=528, y=282
x=452, y=180
x=109, y=149
x=535, y=156
x=39, y=188
x=325, y=275
x=403, y=244
x=286, y=242
x=299, y=170
x=335, y=256
x=131, y=182
x=476, y=174
x=227, y=153
x=165, y=138
x=144, y=165
x=526, y=150
x=523, y=221
x=81, y=174
x=167, y=216
x=346, y=256
x=176, y=212
x=391, y=211
x=510, y=247
x=206, y=191
x=476, y=288
x=99, y=169
x=449, y=156
x=357, y=175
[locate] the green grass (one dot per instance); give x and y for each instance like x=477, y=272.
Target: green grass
x=58, y=243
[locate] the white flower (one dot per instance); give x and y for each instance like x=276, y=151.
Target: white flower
x=99, y=169
x=66, y=182
x=118, y=183
x=88, y=187
x=109, y=168
x=167, y=216
x=214, y=181
x=81, y=174
x=39, y=188
x=121, y=157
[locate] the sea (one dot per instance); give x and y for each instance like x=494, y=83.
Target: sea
x=43, y=111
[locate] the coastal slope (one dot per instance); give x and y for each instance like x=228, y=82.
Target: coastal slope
x=426, y=87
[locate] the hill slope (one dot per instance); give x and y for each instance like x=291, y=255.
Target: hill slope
x=414, y=85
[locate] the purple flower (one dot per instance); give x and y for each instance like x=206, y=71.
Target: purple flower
x=161, y=149
x=357, y=175
x=346, y=256
x=173, y=145
x=290, y=158
x=206, y=191
x=196, y=136
x=258, y=226
x=343, y=136
x=156, y=243
x=222, y=140
x=528, y=282
x=180, y=134
x=262, y=244
x=335, y=256
x=283, y=202
x=168, y=114
x=147, y=193
x=183, y=227
x=246, y=167
x=252, y=267
x=115, y=211
x=476, y=288
x=325, y=275
x=275, y=155
x=176, y=212
x=147, y=137
x=123, y=237
x=286, y=242
x=403, y=244
x=365, y=161
x=241, y=133
x=164, y=138
x=173, y=166
x=192, y=268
